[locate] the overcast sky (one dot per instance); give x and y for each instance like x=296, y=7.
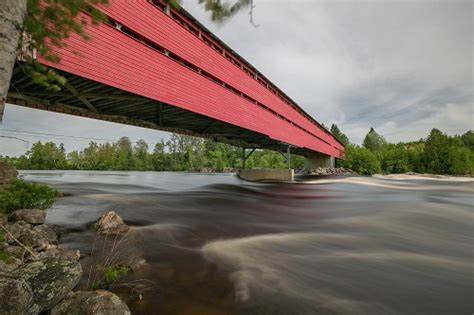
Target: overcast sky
x=402, y=67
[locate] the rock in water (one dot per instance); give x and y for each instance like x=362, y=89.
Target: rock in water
x=91, y=302
x=32, y=216
x=111, y=223
x=16, y=297
x=50, y=279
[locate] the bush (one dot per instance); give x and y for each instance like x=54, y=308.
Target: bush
x=393, y=159
x=24, y=195
x=361, y=160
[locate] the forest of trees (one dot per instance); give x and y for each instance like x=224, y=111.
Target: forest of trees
x=436, y=154
x=180, y=153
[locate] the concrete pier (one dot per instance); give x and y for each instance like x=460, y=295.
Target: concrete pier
x=316, y=160
x=267, y=175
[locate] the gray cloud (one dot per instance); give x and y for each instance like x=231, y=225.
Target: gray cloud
x=364, y=63
x=402, y=67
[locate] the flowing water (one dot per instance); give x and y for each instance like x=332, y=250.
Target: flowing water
x=218, y=245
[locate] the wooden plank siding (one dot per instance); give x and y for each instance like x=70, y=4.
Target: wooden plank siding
x=195, y=77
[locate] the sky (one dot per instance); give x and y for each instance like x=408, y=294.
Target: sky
x=402, y=67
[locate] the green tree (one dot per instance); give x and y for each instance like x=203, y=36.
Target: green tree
x=393, y=158
x=46, y=156
x=373, y=141
x=124, y=157
x=361, y=160
x=141, y=157
x=339, y=135
x=468, y=139
x=38, y=25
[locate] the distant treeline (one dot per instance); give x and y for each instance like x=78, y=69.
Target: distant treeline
x=180, y=153
x=436, y=154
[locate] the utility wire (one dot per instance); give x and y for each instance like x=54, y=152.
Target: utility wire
x=59, y=136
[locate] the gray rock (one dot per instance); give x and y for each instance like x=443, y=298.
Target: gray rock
x=10, y=264
x=60, y=252
x=3, y=218
x=50, y=279
x=38, y=237
x=47, y=233
x=16, y=297
x=16, y=229
x=34, y=239
x=16, y=251
x=91, y=302
x=135, y=263
x=32, y=216
x=110, y=223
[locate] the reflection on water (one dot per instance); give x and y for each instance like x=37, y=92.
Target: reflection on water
x=217, y=245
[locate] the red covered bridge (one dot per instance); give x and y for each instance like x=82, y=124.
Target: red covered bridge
x=156, y=67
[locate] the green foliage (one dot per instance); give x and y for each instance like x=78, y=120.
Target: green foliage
x=468, y=139
x=339, y=135
x=447, y=155
x=222, y=10
x=113, y=273
x=393, y=158
x=437, y=154
x=4, y=256
x=24, y=195
x=373, y=141
x=361, y=160
x=48, y=22
x=179, y=153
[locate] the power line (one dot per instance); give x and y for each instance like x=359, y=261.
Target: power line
x=27, y=143
x=58, y=136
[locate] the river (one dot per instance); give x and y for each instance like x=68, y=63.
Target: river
x=217, y=245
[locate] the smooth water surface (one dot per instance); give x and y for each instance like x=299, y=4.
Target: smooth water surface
x=218, y=245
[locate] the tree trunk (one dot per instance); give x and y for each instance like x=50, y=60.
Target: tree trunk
x=12, y=13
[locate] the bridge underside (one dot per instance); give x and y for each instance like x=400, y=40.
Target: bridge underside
x=91, y=99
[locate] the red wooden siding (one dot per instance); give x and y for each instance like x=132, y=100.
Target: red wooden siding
x=116, y=59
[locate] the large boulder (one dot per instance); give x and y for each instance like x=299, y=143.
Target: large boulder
x=50, y=279
x=16, y=297
x=110, y=223
x=31, y=216
x=16, y=230
x=7, y=174
x=91, y=302
x=3, y=218
x=46, y=232
x=37, y=239
x=8, y=264
x=60, y=252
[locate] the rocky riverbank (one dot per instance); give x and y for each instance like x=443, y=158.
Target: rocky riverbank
x=326, y=171
x=38, y=275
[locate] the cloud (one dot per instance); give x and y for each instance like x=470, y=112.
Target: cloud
x=402, y=67
x=364, y=64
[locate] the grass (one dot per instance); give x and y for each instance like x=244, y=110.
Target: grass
x=24, y=195
x=4, y=256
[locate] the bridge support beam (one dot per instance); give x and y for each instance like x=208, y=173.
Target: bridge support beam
x=316, y=160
